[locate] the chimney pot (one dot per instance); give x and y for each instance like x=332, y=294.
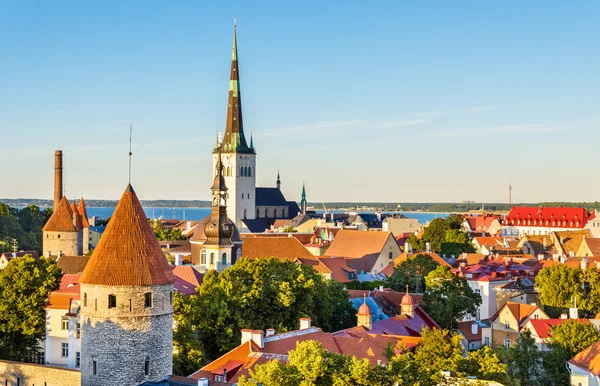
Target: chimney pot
x=202, y=381
x=474, y=328
x=246, y=335
x=270, y=331
x=258, y=337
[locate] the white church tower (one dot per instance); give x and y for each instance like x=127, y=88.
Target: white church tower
x=239, y=159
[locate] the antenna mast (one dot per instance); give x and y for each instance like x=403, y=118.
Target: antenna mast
x=130, y=153
x=509, y=191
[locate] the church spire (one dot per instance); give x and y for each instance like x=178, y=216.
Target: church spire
x=234, y=140
x=278, y=181
x=303, y=202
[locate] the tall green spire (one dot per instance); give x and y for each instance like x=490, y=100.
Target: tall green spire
x=234, y=140
x=303, y=202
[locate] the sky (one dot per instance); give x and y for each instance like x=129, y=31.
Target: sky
x=429, y=101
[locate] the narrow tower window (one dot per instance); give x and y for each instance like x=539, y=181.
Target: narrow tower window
x=112, y=301
x=171, y=297
x=224, y=258
x=85, y=299
x=94, y=367
x=147, y=366
x=148, y=299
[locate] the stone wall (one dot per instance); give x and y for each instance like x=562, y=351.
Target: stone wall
x=69, y=243
x=122, y=338
x=37, y=375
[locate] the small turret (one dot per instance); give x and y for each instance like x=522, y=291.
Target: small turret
x=364, y=316
x=407, y=305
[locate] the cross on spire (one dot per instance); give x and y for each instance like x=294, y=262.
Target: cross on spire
x=130, y=153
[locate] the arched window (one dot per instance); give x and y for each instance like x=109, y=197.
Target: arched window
x=238, y=255
x=275, y=212
x=249, y=172
x=147, y=366
x=257, y=213
x=245, y=213
x=224, y=258
x=203, y=256
x=228, y=171
x=212, y=258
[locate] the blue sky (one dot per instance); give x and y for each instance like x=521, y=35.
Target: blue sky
x=393, y=101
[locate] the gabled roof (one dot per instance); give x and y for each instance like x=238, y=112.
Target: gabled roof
x=588, y=359
x=357, y=244
x=434, y=256
x=397, y=325
x=283, y=248
x=519, y=311
x=593, y=245
x=189, y=274
x=270, y=197
x=72, y=264
x=542, y=327
x=62, y=219
x=128, y=252
x=339, y=268
x=570, y=241
x=465, y=329
x=60, y=301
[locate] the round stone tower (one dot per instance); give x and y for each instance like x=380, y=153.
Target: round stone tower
x=126, y=303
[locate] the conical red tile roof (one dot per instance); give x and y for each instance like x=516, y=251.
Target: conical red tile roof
x=62, y=219
x=83, y=212
x=76, y=215
x=128, y=252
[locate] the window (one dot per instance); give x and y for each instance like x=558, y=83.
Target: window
x=85, y=299
x=245, y=213
x=64, y=350
x=203, y=256
x=148, y=299
x=536, y=316
x=130, y=305
x=147, y=366
x=219, y=378
x=487, y=340
x=507, y=324
x=506, y=342
x=77, y=359
x=224, y=258
x=64, y=325
x=59, y=235
x=171, y=297
x=95, y=304
x=94, y=367
x=390, y=255
x=112, y=301
x=212, y=258
x=42, y=358
x=78, y=328
x=257, y=213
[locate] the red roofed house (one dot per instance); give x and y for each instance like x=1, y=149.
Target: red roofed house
x=542, y=221
x=585, y=366
x=366, y=252
x=6, y=257
x=62, y=345
x=482, y=223
x=474, y=334
x=510, y=319
x=541, y=329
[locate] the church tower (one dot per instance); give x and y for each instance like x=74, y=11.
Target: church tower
x=126, y=303
x=303, y=201
x=239, y=159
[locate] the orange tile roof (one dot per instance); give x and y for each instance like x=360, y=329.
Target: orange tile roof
x=283, y=248
x=357, y=244
x=488, y=240
x=62, y=219
x=83, y=213
x=519, y=311
x=588, y=359
x=76, y=215
x=465, y=330
x=128, y=252
x=404, y=256
x=60, y=301
x=571, y=240
x=338, y=266
x=593, y=245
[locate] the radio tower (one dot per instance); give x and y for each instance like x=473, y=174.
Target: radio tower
x=509, y=191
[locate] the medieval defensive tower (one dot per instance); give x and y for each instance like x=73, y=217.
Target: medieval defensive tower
x=127, y=303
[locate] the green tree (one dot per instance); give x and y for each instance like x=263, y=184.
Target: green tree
x=24, y=286
x=485, y=364
x=449, y=298
x=455, y=221
x=412, y=272
x=559, y=286
x=187, y=348
x=574, y=335
x=439, y=350
x=456, y=242
x=525, y=358
x=261, y=294
x=435, y=233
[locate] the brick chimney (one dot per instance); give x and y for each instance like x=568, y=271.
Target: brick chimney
x=58, y=178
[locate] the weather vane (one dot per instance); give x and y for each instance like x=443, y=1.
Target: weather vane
x=130, y=153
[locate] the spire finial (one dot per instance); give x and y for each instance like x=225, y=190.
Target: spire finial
x=364, y=298
x=234, y=23
x=407, y=289
x=130, y=153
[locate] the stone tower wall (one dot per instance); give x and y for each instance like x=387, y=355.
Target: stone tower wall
x=69, y=243
x=120, y=339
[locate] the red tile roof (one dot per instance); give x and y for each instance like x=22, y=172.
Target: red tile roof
x=338, y=267
x=83, y=213
x=189, y=274
x=542, y=327
x=62, y=219
x=60, y=301
x=128, y=252
x=557, y=217
x=465, y=330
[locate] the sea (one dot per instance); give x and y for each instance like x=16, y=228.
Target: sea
x=194, y=214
